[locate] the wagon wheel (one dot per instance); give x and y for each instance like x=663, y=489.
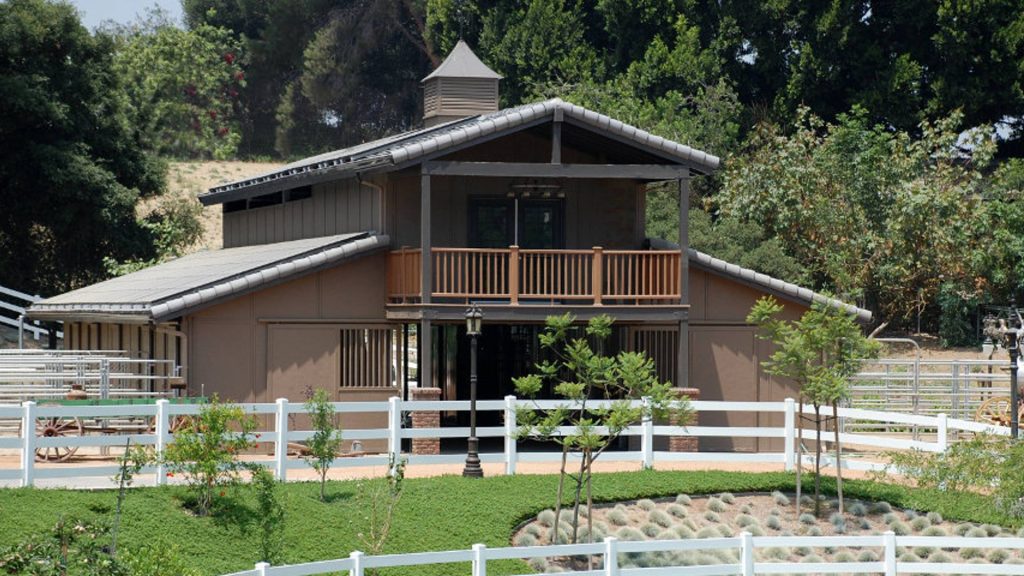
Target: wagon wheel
x=177, y=423
x=57, y=427
x=994, y=411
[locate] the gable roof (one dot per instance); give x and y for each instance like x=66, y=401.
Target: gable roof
x=198, y=280
x=463, y=63
x=397, y=152
x=781, y=288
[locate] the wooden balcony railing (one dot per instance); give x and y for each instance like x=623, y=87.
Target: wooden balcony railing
x=595, y=276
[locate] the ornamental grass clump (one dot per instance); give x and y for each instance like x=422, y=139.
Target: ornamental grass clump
x=524, y=540
x=920, y=523
x=676, y=510
x=934, y=517
x=650, y=530
x=727, y=497
x=934, y=531
x=992, y=529
x=909, y=557
x=881, y=508
x=725, y=531
x=812, y=559
x=711, y=517
x=629, y=533
x=708, y=532
x=808, y=519
x=618, y=518
x=939, y=557
x=660, y=517
x=780, y=498
x=900, y=528
x=773, y=522
x=844, y=556
x=838, y=522
x=858, y=509
x=716, y=505
x=867, y=556
x=646, y=504
x=546, y=518
x=683, y=499
x=777, y=553
x=998, y=556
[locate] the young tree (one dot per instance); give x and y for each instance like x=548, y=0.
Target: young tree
x=580, y=372
x=326, y=440
x=205, y=451
x=819, y=352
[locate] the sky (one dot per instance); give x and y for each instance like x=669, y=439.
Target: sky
x=95, y=12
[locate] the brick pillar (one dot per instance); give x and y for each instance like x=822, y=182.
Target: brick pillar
x=426, y=419
x=684, y=443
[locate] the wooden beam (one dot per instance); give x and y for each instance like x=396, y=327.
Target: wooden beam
x=426, y=260
x=683, y=346
x=536, y=170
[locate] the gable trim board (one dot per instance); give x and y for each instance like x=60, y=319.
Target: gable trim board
x=396, y=152
x=190, y=283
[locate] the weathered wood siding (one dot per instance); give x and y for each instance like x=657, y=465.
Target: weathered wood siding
x=139, y=341
x=337, y=207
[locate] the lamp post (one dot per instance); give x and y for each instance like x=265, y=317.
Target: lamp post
x=474, y=318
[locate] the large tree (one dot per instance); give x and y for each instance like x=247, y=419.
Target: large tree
x=72, y=165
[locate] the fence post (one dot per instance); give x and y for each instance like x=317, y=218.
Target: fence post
x=281, y=440
x=357, y=563
x=647, y=440
x=161, y=430
x=889, y=538
x=28, y=445
x=261, y=568
x=510, y=435
x=790, y=447
x=394, y=431
x=104, y=379
x=747, y=551
x=943, y=433
x=479, y=561
x=611, y=557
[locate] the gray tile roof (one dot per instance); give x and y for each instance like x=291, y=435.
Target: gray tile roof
x=775, y=286
x=185, y=284
x=397, y=151
x=462, y=63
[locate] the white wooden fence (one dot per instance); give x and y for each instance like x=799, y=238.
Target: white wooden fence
x=162, y=413
x=607, y=557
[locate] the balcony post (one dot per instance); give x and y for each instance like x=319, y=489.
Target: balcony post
x=684, y=240
x=598, y=280
x=426, y=260
x=513, y=275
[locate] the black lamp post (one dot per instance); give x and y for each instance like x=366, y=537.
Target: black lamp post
x=474, y=318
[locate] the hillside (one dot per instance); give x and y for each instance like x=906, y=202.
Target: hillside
x=186, y=180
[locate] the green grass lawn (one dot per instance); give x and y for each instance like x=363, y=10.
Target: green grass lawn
x=442, y=513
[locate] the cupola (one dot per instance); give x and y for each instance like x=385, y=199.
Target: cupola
x=461, y=86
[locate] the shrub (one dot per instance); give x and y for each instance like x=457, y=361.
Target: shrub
x=909, y=557
x=781, y=554
x=802, y=551
x=977, y=532
x=939, y=557
x=616, y=517
x=153, y=560
x=708, y=532
x=269, y=514
x=744, y=520
x=865, y=524
x=899, y=528
x=538, y=564
x=998, y=556
x=923, y=551
x=746, y=509
x=808, y=518
x=934, y=517
x=814, y=531
x=838, y=522
x=650, y=530
x=867, y=556
x=205, y=451
x=755, y=530
x=909, y=514
x=711, y=516
x=727, y=497
x=844, y=556
x=812, y=559
x=920, y=523
x=780, y=498
x=858, y=509
x=773, y=522
x=962, y=529
x=683, y=499
x=683, y=532
x=725, y=531
x=646, y=504
x=968, y=553
x=676, y=510
x=567, y=517
x=934, y=531
x=660, y=517
x=629, y=534
x=992, y=529
x=546, y=518
x=775, y=512
x=690, y=524
x=806, y=500
x=525, y=539
x=890, y=518
x=881, y=508
x=716, y=505
x=533, y=530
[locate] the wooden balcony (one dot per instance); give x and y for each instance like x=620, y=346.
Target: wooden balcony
x=515, y=277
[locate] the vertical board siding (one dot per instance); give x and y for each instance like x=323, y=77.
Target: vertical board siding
x=367, y=355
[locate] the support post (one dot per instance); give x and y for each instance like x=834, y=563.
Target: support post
x=513, y=275
x=598, y=275
x=426, y=254
x=357, y=563
x=611, y=556
x=647, y=439
x=790, y=441
x=28, y=445
x=1011, y=336
x=394, y=431
x=556, y=139
x=281, y=440
x=747, y=551
x=162, y=430
x=943, y=433
x=889, y=562
x=683, y=355
x=21, y=331
x=684, y=239
x=261, y=568
x=510, y=435
x=104, y=379
x=479, y=560
x=426, y=419
x=425, y=360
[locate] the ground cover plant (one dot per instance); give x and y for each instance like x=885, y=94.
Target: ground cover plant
x=761, y=514
x=484, y=510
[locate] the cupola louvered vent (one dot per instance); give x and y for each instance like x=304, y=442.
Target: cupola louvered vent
x=461, y=86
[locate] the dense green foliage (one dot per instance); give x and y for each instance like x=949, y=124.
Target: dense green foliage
x=471, y=510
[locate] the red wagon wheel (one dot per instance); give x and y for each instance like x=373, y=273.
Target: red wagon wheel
x=57, y=427
x=177, y=423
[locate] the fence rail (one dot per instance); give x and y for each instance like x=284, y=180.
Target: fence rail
x=14, y=302
x=163, y=413
x=608, y=554
x=51, y=374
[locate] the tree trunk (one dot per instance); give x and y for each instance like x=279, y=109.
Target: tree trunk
x=590, y=506
x=817, y=460
x=579, y=495
x=799, y=453
x=839, y=456
x=558, y=499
